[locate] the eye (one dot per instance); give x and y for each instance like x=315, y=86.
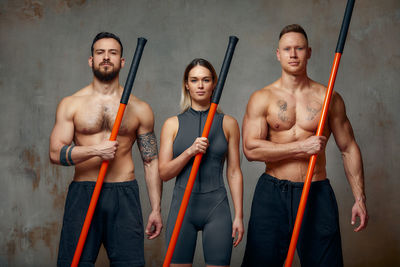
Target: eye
x=207, y=80
x=193, y=80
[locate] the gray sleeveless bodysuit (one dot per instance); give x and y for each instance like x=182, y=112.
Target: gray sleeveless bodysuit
x=208, y=210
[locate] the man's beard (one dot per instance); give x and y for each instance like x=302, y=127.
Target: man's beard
x=105, y=76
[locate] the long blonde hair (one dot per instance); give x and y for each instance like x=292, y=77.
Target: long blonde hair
x=186, y=101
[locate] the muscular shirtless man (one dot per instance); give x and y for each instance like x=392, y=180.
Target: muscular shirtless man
x=86, y=119
x=278, y=129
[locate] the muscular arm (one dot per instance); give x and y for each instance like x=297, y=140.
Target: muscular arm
x=147, y=144
x=63, y=133
x=170, y=167
x=344, y=137
x=234, y=176
x=255, y=131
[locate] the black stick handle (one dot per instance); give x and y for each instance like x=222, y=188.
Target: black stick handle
x=345, y=26
x=224, y=70
x=132, y=71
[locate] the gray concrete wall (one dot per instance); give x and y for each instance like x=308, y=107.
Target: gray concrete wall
x=44, y=48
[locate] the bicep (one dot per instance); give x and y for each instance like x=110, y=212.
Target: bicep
x=254, y=122
x=233, y=155
x=63, y=131
x=340, y=124
x=146, y=138
x=167, y=140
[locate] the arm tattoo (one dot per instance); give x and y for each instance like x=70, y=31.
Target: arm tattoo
x=147, y=144
x=282, y=110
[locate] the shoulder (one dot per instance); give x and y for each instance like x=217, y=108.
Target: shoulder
x=170, y=127
x=260, y=100
x=172, y=122
x=337, y=105
x=230, y=122
x=141, y=110
x=230, y=126
x=139, y=106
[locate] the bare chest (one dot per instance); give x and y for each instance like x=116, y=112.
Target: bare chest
x=95, y=117
x=296, y=115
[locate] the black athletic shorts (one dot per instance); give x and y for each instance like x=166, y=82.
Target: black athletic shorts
x=117, y=223
x=272, y=218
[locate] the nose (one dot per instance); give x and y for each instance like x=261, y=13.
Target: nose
x=293, y=53
x=200, y=84
x=106, y=56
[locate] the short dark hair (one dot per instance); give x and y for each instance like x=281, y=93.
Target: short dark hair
x=293, y=28
x=102, y=35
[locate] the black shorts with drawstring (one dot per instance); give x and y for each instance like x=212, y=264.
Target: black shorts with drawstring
x=117, y=224
x=272, y=218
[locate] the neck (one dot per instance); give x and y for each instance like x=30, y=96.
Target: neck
x=200, y=106
x=294, y=82
x=106, y=88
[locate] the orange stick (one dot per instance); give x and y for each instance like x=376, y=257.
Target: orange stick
x=311, y=165
x=193, y=173
x=188, y=190
x=96, y=191
x=310, y=171
x=104, y=165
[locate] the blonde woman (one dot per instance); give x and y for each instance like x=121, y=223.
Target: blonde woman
x=208, y=210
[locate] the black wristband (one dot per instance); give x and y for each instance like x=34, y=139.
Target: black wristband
x=63, y=156
x=69, y=156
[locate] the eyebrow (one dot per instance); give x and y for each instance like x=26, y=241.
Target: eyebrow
x=191, y=77
x=101, y=50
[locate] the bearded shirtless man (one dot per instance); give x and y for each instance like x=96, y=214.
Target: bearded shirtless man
x=86, y=119
x=279, y=129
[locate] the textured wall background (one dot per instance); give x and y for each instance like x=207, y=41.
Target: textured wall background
x=44, y=48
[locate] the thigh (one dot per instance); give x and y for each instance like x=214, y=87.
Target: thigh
x=76, y=205
x=319, y=241
x=124, y=235
x=268, y=231
x=186, y=243
x=217, y=235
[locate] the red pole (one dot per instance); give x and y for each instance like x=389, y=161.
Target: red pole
x=311, y=165
x=193, y=173
x=188, y=190
x=104, y=164
x=320, y=129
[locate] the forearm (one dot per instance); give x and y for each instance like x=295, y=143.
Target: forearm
x=353, y=166
x=235, y=181
x=154, y=184
x=267, y=151
x=172, y=168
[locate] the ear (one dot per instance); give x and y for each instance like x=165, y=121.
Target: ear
x=278, y=55
x=122, y=62
x=309, y=53
x=90, y=62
